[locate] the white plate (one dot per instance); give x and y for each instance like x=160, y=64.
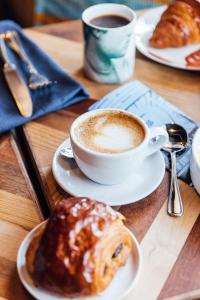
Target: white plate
x=139, y=185
x=174, y=57
x=120, y=286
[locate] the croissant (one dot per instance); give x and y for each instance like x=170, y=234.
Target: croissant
x=179, y=25
x=80, y=250
x=193, y=60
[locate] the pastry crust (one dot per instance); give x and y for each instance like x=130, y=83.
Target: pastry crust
x=193, y=59
x=80, y=250
x=179, y=25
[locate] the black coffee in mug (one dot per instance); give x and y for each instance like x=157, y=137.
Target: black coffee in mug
x=110, y=21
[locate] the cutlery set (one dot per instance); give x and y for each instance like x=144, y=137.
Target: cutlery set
x=17, y=86
x=178, y=143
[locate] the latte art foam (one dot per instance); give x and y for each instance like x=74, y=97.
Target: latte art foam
x=110, y=132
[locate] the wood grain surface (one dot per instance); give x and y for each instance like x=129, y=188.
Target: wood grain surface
x=187, y=266
x=19, y=213
x=167, y=244
x=71, y=30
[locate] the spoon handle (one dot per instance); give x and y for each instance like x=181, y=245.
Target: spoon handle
x=175, y=204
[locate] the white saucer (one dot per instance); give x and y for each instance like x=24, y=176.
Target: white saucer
x=120, y=286
x=174, y=57
x=136, y=187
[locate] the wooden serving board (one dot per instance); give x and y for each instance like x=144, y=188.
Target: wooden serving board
x=19, y=213
x=163, y=239
x=170, y=246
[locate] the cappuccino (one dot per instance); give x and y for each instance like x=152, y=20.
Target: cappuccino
x=110, y=132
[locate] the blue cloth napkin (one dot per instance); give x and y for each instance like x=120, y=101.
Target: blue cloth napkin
x=139, y=99
x=65, y=92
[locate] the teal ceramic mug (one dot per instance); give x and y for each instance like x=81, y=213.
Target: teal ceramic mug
x=109, y=53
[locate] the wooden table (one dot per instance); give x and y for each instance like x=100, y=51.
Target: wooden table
x=19, y=213
x=171, y=255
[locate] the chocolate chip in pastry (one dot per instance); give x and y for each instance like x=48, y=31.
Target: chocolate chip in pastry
x=82, y=246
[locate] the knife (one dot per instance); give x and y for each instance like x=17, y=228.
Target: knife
x=16, y=84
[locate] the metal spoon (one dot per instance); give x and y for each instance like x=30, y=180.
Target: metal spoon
x=66, y=152
x=177, y=142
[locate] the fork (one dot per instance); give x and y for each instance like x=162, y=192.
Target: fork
x=36, y=80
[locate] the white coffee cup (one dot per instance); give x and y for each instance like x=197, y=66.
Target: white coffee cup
x=113, y=168
x=195, y=161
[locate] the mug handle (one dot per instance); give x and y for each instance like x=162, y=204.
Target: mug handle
x=161, y=138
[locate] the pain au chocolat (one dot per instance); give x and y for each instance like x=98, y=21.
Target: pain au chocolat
x=81, y=248
x=179, y=25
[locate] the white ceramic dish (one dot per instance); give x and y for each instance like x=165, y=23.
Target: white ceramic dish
x=120, y=286
x=195, y=161
x=174, y=57
x=139, y=185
